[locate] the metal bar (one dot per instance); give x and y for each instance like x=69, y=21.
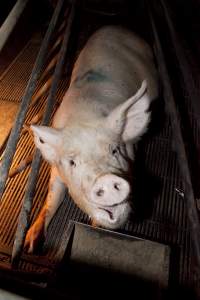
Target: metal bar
x=178, y=142
x=10, y=22
x=14, y=136
x=30, y=190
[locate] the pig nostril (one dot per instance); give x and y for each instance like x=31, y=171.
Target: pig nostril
x=41, y=141
x=117, y=186
x=100, y=192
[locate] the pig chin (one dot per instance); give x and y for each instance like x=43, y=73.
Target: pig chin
x=106, y=216
x=109, y=199
x=112, y=217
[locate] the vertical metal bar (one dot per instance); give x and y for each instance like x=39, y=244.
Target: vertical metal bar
x=24, y=217
x=178, y=141
x=10, y=22
x=14, y=136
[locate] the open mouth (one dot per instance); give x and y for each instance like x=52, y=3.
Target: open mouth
x=110, y=213
x=112, y=217
x=111, y=209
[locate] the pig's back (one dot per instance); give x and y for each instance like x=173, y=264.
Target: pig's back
x=116, y=56
x=109, y=70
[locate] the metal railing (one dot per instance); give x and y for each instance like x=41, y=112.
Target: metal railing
x=24, y=216
x=23, y=223
x=14, y=136
x=10, y=22
x=37, y=69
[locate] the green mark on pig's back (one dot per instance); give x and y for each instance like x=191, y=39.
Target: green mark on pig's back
x=91, y=76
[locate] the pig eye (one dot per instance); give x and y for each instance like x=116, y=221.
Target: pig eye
x=41, y=141
x=72, y=163
x=114, y=150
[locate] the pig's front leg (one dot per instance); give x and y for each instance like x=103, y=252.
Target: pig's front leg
x=54, y=198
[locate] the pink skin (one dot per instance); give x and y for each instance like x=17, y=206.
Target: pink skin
x=105, y=198
x=109, y=190
x=105, y=111
x=110, y=196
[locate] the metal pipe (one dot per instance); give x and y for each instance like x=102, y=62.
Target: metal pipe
x=14, y=136
x=178, y=142
x=10, y=22
x=30, y=190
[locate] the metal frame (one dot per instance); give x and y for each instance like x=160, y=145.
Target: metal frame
x=37, y=69
x=10, y=22
x=24, y=216
x=171, y=109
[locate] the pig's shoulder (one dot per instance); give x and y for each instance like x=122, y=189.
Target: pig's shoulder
x=120, y=35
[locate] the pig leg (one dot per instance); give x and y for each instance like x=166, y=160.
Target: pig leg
x=93, y=223
x=54, y=198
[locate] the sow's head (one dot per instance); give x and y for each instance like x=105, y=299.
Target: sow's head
x=93, y=158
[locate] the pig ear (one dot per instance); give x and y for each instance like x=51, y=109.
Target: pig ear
x=48, y=141
x=130, y=119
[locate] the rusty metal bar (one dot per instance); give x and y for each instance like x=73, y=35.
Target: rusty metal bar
x=10, y=22
x=178, y=141
x=14, y=136
x=30, y=190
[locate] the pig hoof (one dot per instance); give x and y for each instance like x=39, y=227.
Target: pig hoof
x=34, y=235
x=93, y=223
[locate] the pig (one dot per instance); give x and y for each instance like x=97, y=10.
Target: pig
x=90, y=144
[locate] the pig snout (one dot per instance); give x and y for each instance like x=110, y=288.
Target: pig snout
x=110, y=190
x=109, y=196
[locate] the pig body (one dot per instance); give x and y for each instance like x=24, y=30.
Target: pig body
x=109, y=70
x=104, y=112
